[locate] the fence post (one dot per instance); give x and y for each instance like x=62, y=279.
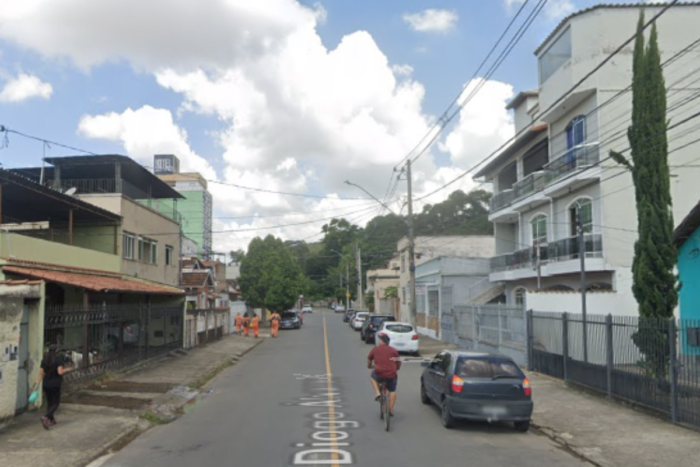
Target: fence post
x=529, y=339
x=673, y=374
x=565, y=344
x=609, y=351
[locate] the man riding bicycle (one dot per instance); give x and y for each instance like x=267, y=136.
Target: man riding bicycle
x=386, y=365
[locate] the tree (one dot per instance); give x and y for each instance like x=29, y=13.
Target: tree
x=270, y=277
x=655, y=256
x=236, y=256
x=460, y=214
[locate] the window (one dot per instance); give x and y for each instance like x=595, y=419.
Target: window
x=536, y=158
x=507, y=177
x=168, y=255
x=403, y=295
x=584, y=206
x=519, y=295
x=399, y=328
x=576, y=132
x=128, y=244
x=490, y=369
x=148, y=250
x=539, y=229
x=403, y=263
x=556, y=56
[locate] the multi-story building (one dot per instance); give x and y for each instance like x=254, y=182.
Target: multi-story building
x=383, y=284
x=428, y=248
x=557, y=177
x=149, y=234
x=196, y=207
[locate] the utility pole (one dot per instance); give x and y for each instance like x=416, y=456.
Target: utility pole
x=539, y=267
x=347, y=286
x=582, y=255
x=358, y=261
x=411, y=246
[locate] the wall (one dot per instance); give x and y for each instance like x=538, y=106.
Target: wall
x=192, y=210
x=12, y=301
x=689, y=272
x=32, y=249
x=140, y=220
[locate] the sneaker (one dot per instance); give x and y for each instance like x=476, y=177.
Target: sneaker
x=52, y=422
x=45, y=422
x=377, y=397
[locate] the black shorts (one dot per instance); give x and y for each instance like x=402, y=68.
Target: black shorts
x=391, y=383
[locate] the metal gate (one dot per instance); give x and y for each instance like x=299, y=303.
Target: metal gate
x=23, y=363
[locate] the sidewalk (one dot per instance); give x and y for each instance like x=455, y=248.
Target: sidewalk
x=107, y=415
x=605, y=433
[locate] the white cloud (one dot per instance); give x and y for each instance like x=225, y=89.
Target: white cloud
x=25, y=87
x=320, y=12
x=297, y=117
x=554, y=9
x=432, y=20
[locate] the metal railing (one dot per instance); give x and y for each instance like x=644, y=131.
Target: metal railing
x=90, y=186
x=653, y=363
x=568, y=248
x=501, y=200
x=534, y=182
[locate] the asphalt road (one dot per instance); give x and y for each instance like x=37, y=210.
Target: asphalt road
x=272, y=406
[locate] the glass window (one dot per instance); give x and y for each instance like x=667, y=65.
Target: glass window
x=446, y=361
x=168, y=255
x=576, y=132
x=148, y=250
x=519, y=296
x=556, y=56
x=398, y=328
x=128, y=244
x=485, y=368
x=585, y=207
x=539, y=229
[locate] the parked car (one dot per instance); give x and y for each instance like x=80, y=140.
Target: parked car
x=477, y=386
x=358, y=319
x=371, y=325
x=347, y=315
x=403, y=336
x=307, y=309
x=339, y=308
x=290, y=320
x=300, y=315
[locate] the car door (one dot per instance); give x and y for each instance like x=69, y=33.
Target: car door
x=444, y=375
x=432, y=376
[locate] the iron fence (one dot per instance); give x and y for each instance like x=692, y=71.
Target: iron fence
x=492, y=328
x=96, y=339
x=654, y=363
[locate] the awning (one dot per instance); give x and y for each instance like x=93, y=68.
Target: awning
x=95, y=282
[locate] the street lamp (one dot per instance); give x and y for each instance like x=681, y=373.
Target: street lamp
x=411, y=244
x=347, y=280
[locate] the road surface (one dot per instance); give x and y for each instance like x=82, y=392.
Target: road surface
x=277, y=407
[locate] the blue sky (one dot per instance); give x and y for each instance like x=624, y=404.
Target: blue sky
x=237, y=122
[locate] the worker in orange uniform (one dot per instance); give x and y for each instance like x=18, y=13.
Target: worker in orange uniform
x=239, y=324
x=275, y=321
x=255, y=323
x=246, y=324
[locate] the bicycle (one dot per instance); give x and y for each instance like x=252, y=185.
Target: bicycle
x=384, y=405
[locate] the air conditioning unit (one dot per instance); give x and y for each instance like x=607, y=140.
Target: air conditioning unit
x=395, y=265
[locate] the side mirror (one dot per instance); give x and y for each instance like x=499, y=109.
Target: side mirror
x=425, y=364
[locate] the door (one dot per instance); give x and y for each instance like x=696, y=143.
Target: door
x=23, y=362
x=444, y=375
x=434, y=375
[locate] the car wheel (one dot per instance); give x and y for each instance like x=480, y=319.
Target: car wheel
x=448, y=420
x=423, y=395
x=522, y=426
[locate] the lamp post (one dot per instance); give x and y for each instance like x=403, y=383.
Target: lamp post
x=347, y=280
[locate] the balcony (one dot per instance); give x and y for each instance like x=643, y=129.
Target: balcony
x=560, y=169
x=567, y=248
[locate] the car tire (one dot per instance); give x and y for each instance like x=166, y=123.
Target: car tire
x=362, y=336
x=448, y=420
x=522, y=427
x=424, y=395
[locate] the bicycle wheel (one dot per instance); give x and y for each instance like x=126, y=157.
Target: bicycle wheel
x=387, y=411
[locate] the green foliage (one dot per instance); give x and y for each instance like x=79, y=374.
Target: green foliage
x=236, y=256
x=391, y=292
x=270, y=277
x=459, y=214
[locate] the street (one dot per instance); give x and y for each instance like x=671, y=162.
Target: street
x=271, y=407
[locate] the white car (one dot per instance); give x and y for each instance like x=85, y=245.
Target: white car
x=402, y=336
x=359, y=319
x=307, y=309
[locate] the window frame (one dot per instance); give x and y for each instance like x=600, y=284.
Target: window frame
x=169, y=252
x=535, y=222
x=543, y=58
x=128, y=245
x=519, y=292
x=574, y=208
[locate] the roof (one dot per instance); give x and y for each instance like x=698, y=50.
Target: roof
x=107, y=283
x=523, y=139
x=601, y=6
x=25, y=200
x=21, y=282
x=687, y=226
x=517, y=100
x=194, y=278
x=184, y=177
x=102, y=167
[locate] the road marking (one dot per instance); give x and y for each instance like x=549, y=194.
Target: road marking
x=331, y=409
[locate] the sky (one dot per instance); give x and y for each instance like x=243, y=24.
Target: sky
x=295, y=96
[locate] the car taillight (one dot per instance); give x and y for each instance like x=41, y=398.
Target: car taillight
x=371, y=326
x=415, y=337
x=457, y=384
x=527, y=388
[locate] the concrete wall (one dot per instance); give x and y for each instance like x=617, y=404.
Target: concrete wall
x=32, y=249
x=140, y=220
x=12, y=301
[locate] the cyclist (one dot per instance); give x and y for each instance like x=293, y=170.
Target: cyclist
x=386, y=364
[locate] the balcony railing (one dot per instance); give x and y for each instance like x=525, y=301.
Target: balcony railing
x=560, y=250
x=576, y=158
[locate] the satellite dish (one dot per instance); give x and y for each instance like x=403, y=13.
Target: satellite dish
x=70, y=191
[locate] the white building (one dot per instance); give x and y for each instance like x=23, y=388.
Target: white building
x=428, y=248
x=378, y=281
x=559, y=167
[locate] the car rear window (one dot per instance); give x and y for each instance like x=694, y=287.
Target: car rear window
x=289, y=315
x=381, y=319
x=399, y=328
x=484, y=368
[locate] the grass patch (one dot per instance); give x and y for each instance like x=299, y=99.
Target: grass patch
x=153, y=418
x=209, y=376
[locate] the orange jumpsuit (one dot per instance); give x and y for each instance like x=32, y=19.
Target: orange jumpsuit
x=256, y=326
x=275, y=320
x=246, y=322
x=239, y=324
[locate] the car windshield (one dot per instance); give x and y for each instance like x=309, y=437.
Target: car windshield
x=484, y=368
x=399, y=328
x=361, y=316
x=381, y=319
x=289, y=315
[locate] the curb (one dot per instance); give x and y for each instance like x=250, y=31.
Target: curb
x=134, y=431
x=555, y=436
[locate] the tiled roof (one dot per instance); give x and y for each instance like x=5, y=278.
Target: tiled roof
x=94, y=282
x=194, y=278
x=687, y=227
x=20, y=282
x=601, y=6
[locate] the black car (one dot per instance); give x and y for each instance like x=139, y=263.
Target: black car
x=290, y=320
x=371, y=325
x=477, y=386
x=348, y=316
